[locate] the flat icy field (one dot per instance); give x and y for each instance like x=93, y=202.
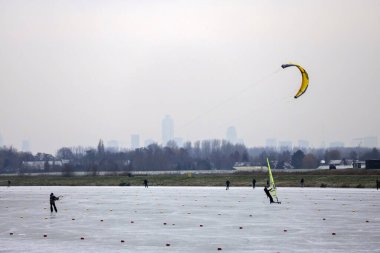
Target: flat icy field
x=189, y=219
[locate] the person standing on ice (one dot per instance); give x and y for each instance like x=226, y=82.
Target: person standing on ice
x=302, y=182
x=52, y=202
x=253, y=183
x=268, y=194
x=146, y=183
x=227, y=184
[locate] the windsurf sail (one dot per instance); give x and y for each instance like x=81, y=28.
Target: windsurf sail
x=272, y=186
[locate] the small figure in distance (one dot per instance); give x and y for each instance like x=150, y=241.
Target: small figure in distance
x=227, y=184
x=253, y=183
x=9, y=183
x=52, y=202
x=266, y=190
x=302, y=182
x=146, y=183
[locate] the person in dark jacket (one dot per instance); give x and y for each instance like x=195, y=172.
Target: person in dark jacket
x=268, y=194
x=227, y=184
x=146, y=183
x=253, y=183
x=52, y=202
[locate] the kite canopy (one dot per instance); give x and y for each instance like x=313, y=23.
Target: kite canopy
x=305, y=78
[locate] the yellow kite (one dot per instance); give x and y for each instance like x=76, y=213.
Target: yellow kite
x=305, y=78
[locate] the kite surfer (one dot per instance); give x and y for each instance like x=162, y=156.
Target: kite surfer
x=52, y=202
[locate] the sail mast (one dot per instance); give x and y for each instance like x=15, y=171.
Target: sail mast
x=273, y=190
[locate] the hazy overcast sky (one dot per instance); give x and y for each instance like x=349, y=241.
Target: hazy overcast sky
x=72, y=72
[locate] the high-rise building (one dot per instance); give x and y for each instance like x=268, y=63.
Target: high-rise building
x=285, y=145
x=25, y=146
x=148, y=142
x=112, y=146
x=368, y=142
x=167, y=129
x=271, y=143
x=303, y=144
x=135, y=141
x=178, y=141
x=231, y=135
x=336, y=144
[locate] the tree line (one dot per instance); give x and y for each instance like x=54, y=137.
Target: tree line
x=200, y=155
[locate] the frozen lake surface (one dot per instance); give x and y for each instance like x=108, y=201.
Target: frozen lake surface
x=189, y=219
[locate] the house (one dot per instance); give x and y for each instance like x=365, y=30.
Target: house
x=40, y=165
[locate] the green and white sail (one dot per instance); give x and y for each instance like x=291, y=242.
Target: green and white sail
x=272, y=185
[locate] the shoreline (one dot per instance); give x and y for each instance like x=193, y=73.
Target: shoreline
x=325, y=179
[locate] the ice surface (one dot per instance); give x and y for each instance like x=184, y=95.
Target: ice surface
x=198, y=219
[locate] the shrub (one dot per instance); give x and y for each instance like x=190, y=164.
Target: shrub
x=124, y=184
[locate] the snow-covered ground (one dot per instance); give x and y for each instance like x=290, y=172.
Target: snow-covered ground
x=189, y=219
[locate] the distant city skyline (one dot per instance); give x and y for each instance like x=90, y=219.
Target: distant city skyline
x=231, y=136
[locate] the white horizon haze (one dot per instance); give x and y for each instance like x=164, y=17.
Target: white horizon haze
x=73, y=72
